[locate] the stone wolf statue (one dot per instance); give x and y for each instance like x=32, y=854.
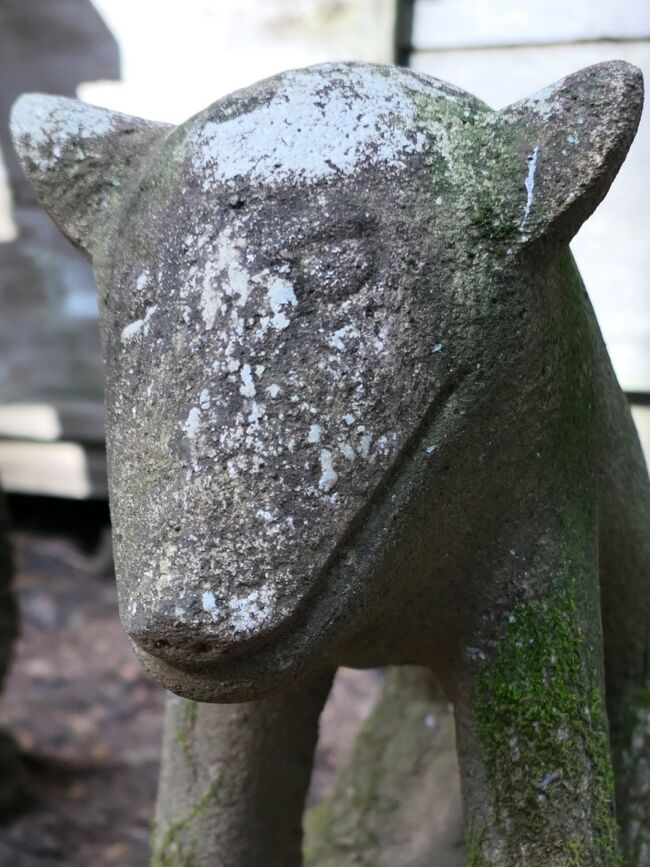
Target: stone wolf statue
x=360, y=413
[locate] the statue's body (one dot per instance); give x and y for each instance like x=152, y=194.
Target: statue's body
x=360, y=413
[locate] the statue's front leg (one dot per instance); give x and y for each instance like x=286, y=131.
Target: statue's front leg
x=531, y=721
x=234, y=779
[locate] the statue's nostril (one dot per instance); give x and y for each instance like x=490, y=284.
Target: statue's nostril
x=176, y=648
x=201, y=647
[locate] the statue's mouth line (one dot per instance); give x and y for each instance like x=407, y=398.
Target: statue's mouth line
x=254, y=665
x=189, y=651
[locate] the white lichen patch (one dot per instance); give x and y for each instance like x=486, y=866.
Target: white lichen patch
x=247, y=613
x=225, y=285
x=364, y=444
x=265, y=515
x=346, y=450
x=280, y=293
x=320, y=134
x=545, y=102
x=247, y=388
x=44, y=126
x=192, y=423
x=143, y=280
x=209, y=604
x=339, y=337
x=314, y=434
x=257, y=412
x=140, y=326
x=329, y=476
x=225, y=275
x=280, y=321
x=529, y=184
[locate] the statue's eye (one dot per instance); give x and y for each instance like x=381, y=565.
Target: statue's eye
x=337, y=268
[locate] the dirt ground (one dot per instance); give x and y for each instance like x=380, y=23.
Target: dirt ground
x=88, y=719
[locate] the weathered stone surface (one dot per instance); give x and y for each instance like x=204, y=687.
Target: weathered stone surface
x=501, y=76
x=221, y=774
x=359, y=412
x=398, y=799
x=50, y=47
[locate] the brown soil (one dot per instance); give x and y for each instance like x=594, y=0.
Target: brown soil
x=88, y=719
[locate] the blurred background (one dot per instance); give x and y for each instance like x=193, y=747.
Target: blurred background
x=87, y=719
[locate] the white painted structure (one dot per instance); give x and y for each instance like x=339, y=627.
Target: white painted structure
x=177, y=58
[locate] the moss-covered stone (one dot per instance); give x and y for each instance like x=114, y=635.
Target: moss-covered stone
x=541, y=722
x=475, y=857
x=175, y=845
x=397, y=801
x=185, y=730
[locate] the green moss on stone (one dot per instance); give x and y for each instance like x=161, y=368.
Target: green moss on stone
x=184, y=733
x=574, y=848
x=172, y=849
x=481, y=165
x=543, y=730
x=341, y=823
x=473, y=853
x=489, y=223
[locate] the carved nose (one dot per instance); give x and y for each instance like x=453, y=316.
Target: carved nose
x=201, y=629
x=183, y=645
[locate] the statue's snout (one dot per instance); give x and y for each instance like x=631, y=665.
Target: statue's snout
x=181, y=645
x=203, y=629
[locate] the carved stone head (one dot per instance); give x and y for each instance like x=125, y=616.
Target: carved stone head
x=294, y=285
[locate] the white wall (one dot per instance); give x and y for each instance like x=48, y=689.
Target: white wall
x=179, y=56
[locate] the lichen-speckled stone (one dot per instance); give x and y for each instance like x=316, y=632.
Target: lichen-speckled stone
x=293, y=350
x=360, y=412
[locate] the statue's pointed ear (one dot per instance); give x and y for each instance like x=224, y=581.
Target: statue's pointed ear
x=570, y=140
x=77, y=158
